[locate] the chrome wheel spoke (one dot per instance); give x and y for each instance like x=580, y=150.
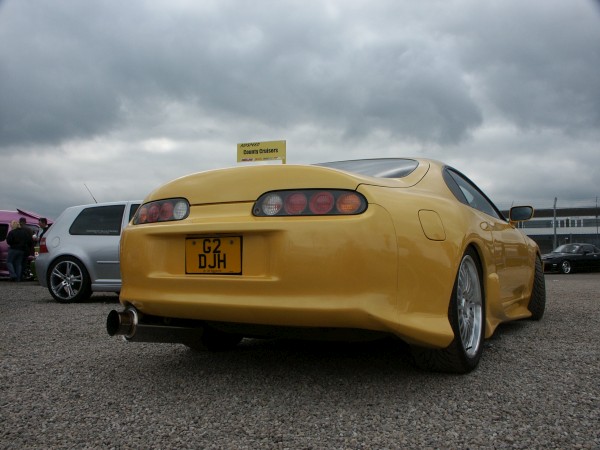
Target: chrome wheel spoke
x=66, y=280
x=69, y=290
x=469, y=306
x=58, y=274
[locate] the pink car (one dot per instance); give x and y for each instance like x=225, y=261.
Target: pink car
x=6, y=217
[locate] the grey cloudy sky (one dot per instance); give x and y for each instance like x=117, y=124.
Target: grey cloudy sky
x=124, y=96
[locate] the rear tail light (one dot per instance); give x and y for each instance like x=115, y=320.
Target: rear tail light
x=348, y=203
x=272, y=204
x=43, y=247
x=295, y=203
x=162, y=211
x=321, y=202
x=309, y=202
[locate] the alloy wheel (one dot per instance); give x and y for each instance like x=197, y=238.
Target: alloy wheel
x=469, y=306
x=565, y=267
x=66, y=280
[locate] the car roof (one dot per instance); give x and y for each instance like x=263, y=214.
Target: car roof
x=120, y=202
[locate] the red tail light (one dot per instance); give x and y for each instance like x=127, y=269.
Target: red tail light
x=295, y=203
x=162, y=211
x=321, y=202
x=310, y=202
x=43, y=248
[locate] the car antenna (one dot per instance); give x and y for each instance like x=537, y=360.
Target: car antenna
x=95, y=201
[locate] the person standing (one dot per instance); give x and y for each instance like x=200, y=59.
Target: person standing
x=19, y=242
x=30, y=252
x=43, y=223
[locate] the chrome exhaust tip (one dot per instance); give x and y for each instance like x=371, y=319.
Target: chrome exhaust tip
x=128, y=324
x=122, y=323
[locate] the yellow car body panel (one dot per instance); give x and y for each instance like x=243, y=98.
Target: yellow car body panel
x=250, y=182
x=390, y=269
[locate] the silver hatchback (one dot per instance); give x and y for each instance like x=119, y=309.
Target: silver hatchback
x=79, y=254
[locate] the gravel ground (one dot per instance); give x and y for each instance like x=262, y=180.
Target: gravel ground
x=64, y=383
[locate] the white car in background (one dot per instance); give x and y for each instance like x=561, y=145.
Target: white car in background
x=79, y=254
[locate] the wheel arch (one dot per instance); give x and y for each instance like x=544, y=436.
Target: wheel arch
x=84, y=261
x=466, y=316
x=82, y=291
x=490, y=285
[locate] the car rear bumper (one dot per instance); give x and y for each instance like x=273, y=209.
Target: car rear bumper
x=340, y=272
x=41, y=268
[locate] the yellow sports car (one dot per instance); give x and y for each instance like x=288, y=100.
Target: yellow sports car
x=409, y=248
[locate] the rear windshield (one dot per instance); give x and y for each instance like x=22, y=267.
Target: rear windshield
x=99, y=221
x=381, y=168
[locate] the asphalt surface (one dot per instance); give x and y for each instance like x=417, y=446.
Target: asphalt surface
x=64, y=383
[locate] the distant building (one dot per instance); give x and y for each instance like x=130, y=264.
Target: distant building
x=572, y=225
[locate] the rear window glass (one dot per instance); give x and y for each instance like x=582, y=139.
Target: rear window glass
x=381, y=168
x=99, y=221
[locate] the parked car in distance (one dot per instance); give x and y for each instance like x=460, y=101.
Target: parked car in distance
x=569, y=258
x=79, y=254
x=6, y=217
x=409, y=248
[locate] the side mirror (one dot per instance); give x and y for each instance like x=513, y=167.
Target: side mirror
x=520, y=213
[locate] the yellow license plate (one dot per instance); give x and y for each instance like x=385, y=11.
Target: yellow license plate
x=214, y=255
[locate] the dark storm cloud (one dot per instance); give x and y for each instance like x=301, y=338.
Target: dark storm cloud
x=126, y=95
x=69, y=67
x=536, y=62
x=51, y=85
x=72, y=65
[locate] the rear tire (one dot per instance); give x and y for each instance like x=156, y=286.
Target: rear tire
x=466, y=314
x=68, y=280
x=537, y=302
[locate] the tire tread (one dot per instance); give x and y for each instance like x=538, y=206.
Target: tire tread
x=537, y=302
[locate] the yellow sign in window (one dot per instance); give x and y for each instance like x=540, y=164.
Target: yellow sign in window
x=261, y=151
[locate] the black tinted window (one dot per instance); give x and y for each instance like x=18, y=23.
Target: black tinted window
x=99, y=221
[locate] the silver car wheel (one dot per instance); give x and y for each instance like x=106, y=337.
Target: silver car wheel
x=469, y=306
x=66, y=280
x=565, y=267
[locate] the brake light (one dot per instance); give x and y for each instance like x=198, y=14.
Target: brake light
x=321, y=202
x=309, y=202
x=295, y=203
x=166, y=211
x=162, y=211
x=43, y=247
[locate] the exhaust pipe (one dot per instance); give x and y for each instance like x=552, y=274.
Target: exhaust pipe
x=129, y=325
x=122, y=323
